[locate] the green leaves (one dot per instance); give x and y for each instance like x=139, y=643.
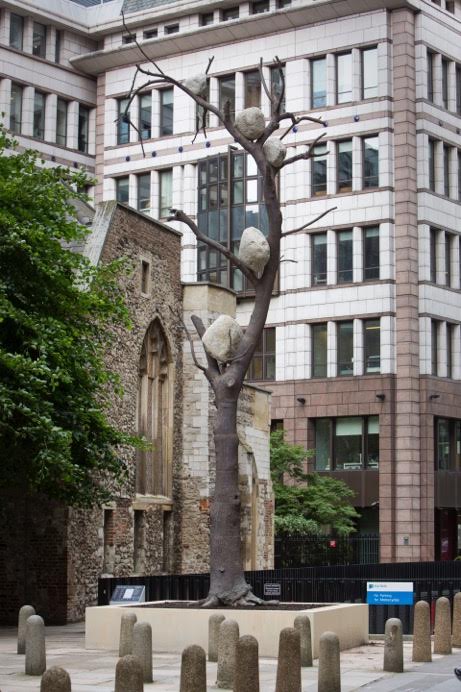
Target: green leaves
x=56, y=315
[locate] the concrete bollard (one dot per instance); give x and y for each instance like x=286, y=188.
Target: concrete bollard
x=289, y=661
x=214, y=623
x=55, y=679
x=456, y=638
x=142, y=648
x=193, y=669
x=422, y=633
x=125, y=646
x=35, y=646
x=129, y=675
x=442, y=627
x=247, y=665
x=24, y=614
x=303, y=624
x=329, y=663
x=227, y=644
x=393, y=646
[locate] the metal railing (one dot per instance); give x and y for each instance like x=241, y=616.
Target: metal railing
x=306, y=551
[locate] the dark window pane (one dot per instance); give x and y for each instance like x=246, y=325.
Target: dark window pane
x=446, y=170
x=144, y=192
x=229, y=13
x=16, y=109
x=458, y=89
x=227, y=94
x=443, y=445
x=171, y=29
x=319, y=350
x=445, y=83
x=371, y=254
x=259, y=7
x=319, y=258
x=345, y=348
x=277, y=85
x=345, y=256
x=319, y=82
x=434, y=346
x=166, y=112
x=39, y=115
x=166, y=191
x=433, y=254
x=16, y=31
x=345, y=166
x=448, y=246
x=122, y=190
x=430, y=76
x=348, y=443
x=372, y=344
x=252, y=83
x=373, y=442
x=123, y=122
x=145, y=116
x=432, y=164
x=450, y=337
x=319, y=171
x=206, y=19
x=322, y=444
x=83, y=128
x=39, y=40
x=61, y=122
x=370, y=162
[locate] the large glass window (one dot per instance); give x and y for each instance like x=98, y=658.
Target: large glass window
x=344, y=77
x=61, y=122
x=344, y=162
x=319, y=171
x=39, y=40
x=445, y=82
x=144, y=197
x=123, y=122
x=372, y=345
x=319, y=350
x=252, y=84
x=16, y=108
x=447, y=438
x=16, y=31
x=345, y=348
x=319, y=258
x=277, y=85
x=370, y=162
x=371, y=253
x=166, y=112
x=344, y=256
x=165, y=192
x=319, y=82
x=369, y=73
x=122, y=189
x=262, y=366
x=227, y=94
x=83, y=128
x=347, y=444
x=145, y=116
x=39, y=115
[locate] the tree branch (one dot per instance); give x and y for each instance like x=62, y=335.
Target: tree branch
x=310, y=223
x=213, y=367
x=191, y=342
x=295, y=121
x=305, y=155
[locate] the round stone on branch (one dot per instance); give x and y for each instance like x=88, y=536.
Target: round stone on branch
x=250, y=123
x=275, y=152
x=222, y=338
x=254, y=250
x=197, y=84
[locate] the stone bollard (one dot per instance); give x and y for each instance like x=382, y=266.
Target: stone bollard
x=289, y=661
x=227, y=643
x=125, y=646
x=456, y=638
x=35, y=646
x=247, y=665
x=142, y=648
x=329, y=663
x=393, y=646
x=24, y=614
x=214, y=623
x=422, y=633
x=193, y=669
x=129, y=675
x=442, y=627
x=303, y=624
x=55, y=679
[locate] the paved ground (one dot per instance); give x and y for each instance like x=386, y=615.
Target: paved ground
x=94, y=670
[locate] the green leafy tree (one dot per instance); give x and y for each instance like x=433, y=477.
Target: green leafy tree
x=56, y=316
x=307, y=503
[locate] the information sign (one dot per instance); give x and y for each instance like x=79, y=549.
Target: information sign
x=272, y=589
x=128, y=594
x=390, y=593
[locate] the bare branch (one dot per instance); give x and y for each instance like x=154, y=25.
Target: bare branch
x=139, y=47
x=213, y=367
x=210, y=61
x=282, y=90
x=178, y=215
x=295, y=121
x=191, y=342
x=310, y=223
x=264, y=83
x=306, y=154
x=286, y=259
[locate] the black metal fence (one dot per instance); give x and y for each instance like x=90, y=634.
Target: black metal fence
x=327, y=584
x=314, y=551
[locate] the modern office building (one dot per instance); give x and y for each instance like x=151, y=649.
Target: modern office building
x=362, y=348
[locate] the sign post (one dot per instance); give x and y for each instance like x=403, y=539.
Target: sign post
x=387, y=593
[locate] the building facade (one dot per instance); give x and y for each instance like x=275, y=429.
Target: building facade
x=362, y=348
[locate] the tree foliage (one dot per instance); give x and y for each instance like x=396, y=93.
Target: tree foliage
x=56, y=315
x=307, y=503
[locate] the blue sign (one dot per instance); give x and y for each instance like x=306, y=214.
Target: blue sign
x=390, y=593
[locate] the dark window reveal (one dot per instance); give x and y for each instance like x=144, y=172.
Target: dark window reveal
x=371, y=253
x=262, y=366
x=345, y=348
x=319, y=350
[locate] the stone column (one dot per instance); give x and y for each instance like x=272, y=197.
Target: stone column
x=24, y=614
x=228, y=638
x=51, y=106
x=247, y=665
x=329, y=663
x=214, y=623
x=357, y=244
x=35, y=646
x=5, y=28
x=55, y=679
x=50, y=43
x=28, y=111
x=456, y=638
x=356, y=75
x=442, y=626
x=393, y=646
x=289, y=661
x=72, y=125
x=193, y=670
x=422, y=633
x=303, y=624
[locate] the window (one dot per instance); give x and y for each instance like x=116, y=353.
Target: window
x=347, y=444
x=344, y=163
x=16, y=31
x=144, y=192
x=370, y=162
x=433, y=233
x=319, y=171
x=319, y=82
x=166, y=192
x=131, y=38
x=319, y=258
x=61, y=122
x=206, y=19
x=16, y=108
x=252, y=85
x=229, y=13
x=171, y=29
x=445, y=83
x=372, y=345
x=39, y=115
x=345, y=348
x=450, y=338
x=145, y=116
x=122, y=190
x=123, y=122
x=319, y=350
x=166, y=112
x=259, y=7
x=344, y=77
x=57, y=46
x=459, y=175
x=447, y=440
x=83, y=127
x=145, y=277
x=344, y=239
x=262, y=366
x=449, y=239
x=371, y=253
x=431, y=164
x=283, y=3
x=227, y=94
x=450, y=6
x=434, y=347
x=430, y=76
x=277, y=85
x=39, y=40
x=150, y=33
x=369, y=73
x=458, y=89
x=446, y=170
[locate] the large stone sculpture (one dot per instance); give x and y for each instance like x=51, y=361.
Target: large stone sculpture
x=275, y=152
x=250, y=123
x=254, y=250
x=222, y=338
x=197, y=84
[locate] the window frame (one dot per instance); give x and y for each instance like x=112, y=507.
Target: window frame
x=39, y=49
x=259, y=7
x=367, y=269
x=371, y=323
x=230, y=13
x=319, y=370
x=341, y=347
x=166, y=129
x=145, y=133
x=339, y=99
x=250, y=90
x=315, y=102
x=39, y=133
x=221, y=96
x=20, y=42
x=139, y=178
x=341, y=273
x=61, y=140
x=347, y=187
x=319, y=189
x=316, y=275
x=369, y=182
x=365, y=460
x=266, y=355
x=83, y=133
x=118, y=185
